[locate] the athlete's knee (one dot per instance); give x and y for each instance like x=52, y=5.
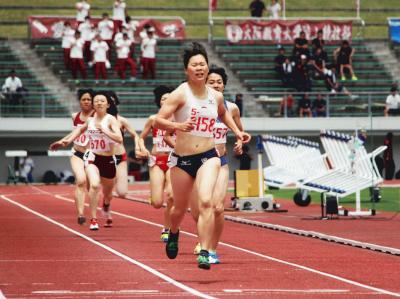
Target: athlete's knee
x=95, y=186
x=205, y=204
x=80, y=182
x=169, y=196
x=121, y=192
x=157, y=204
x=219, y=209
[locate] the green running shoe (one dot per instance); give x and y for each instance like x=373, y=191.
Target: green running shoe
x=171, y=247
x=203, y=262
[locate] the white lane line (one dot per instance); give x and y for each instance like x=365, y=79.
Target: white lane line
x=355, y=283
x=113, y=251
x=120, y=292
x=309, y=291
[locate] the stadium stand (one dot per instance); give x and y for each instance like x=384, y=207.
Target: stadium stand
x=136, y=95
x=254, y=65
x=37, y=101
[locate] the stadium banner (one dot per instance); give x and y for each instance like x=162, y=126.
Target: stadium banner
x=285, y=32
x=394, y=29
x=52, y=26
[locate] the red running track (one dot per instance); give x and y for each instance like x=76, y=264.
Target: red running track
x=45, y=254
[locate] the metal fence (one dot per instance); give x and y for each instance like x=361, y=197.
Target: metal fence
x=267, y=104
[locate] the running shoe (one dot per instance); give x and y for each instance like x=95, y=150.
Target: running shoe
x=343, y=78
x=354, y=78
x=197, y=249
x=213, y=258
x=93, y=224
x=107, y=214
x=109, y=222
x=164, y=235
x=81, y=220
x=171, y=247
x=203, y=261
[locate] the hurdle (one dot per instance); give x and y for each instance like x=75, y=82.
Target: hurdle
x=292, y=160
x=353, y=169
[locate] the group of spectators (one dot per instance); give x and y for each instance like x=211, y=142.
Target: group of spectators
x=309, y=61
x=91, y=46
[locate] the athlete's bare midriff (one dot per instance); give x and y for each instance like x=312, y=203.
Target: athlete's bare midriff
x=187, y=144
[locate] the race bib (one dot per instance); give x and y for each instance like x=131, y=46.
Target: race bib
x=88, y=157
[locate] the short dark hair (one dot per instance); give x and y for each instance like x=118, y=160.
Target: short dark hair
x=393, y=89
x=219, y=71
x=81, y=92
x=345, y=43
x=193, y=49
x=159, y=91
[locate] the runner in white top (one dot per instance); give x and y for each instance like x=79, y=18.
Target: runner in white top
x=194, y=164
x=160, y=178
x=82, y=10
x=103, y=130
x=217, y=79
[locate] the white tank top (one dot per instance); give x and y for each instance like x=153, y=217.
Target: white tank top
x=158, y=141
x=203, y=112
x=99, y=142
x=83, y=139
x=220, y=129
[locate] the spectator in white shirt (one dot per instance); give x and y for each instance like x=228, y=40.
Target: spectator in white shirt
x=12, y=89
x=148, y=48
x=82, y=11
x=106, y=30
x=67, y=35
x=99, y=49
x=87, y=33
x=119, y=12
x=76, y=55
x=130, y=26
x=274, y=9
x=392, y=103
x=123, y=57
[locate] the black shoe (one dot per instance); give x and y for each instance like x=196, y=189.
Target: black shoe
x=81, y=220
x=171, y=248
x=203, y=260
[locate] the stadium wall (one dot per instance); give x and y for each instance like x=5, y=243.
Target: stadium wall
x=37, y=134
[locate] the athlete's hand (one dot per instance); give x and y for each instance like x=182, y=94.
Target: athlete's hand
x=243, y=136
x=142, y=154
x=187, y=126
x=238, y=147
x=56, y=145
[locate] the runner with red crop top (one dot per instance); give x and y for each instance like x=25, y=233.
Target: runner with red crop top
x=103, y=131
x=160, y=179
x=79, y=148
x=194, y=163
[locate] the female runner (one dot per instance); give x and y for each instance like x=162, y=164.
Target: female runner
x=160, y=179
x=103, y=131
x=195, y=163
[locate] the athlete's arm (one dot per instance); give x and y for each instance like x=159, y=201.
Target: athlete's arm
x=168, y=138
x=235, y=112
x=113, y=131
x=173, y=103
x=68, y=138
x=143, y=135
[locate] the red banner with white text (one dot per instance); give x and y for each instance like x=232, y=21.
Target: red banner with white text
x=285, y=32
x=52, y=27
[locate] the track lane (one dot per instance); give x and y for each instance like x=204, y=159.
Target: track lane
x=276, y=279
